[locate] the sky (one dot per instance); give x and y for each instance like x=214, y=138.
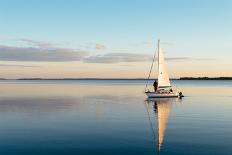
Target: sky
x=114, y=38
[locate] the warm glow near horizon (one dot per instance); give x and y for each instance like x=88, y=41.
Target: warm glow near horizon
x=121, y=70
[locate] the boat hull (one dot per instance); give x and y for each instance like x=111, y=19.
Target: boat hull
x=161, y=95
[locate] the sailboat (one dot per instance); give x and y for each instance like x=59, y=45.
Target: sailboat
x=165, y=89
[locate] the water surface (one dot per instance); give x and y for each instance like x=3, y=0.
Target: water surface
x=113, y=117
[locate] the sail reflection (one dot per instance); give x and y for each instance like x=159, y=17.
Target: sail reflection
x=162, y=108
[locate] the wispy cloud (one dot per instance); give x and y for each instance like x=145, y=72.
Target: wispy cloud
x=120, y=50
x=130, y=57
x=9, y=65
x=39, y=44
x=12, y=53
x=117, y=57
x=187, y=59
x=100, y=46
x=44, y=51
x=93, y=46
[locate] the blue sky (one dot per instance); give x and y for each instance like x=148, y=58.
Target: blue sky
x=102, y=35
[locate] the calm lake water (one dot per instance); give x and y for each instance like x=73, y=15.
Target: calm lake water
x=112, y=117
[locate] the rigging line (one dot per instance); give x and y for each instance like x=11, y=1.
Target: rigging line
x=150, y=70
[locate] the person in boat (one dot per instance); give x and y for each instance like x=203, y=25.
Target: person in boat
x=155, y=85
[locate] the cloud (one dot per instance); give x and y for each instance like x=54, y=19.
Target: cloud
x=8, y=65
x=93, y=46
x=100, y=46
x=118, y=57
x=187, y=58
x=131, y=57
x=40, y=44
x=44, y=51
x=11, y=53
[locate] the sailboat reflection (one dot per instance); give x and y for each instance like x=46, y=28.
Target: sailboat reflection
x=162, y=109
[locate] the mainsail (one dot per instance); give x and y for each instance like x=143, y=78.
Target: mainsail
x=163, y=78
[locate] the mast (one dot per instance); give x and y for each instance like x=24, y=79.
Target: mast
x=158, y=58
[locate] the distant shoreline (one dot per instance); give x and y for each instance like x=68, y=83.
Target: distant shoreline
x=181, y=78
x=205, y=78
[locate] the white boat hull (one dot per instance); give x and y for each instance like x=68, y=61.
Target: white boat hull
x=161, y=95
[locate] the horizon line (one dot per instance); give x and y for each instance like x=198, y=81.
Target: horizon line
x=180, y=78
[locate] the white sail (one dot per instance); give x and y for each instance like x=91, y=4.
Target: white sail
x=163, y=78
